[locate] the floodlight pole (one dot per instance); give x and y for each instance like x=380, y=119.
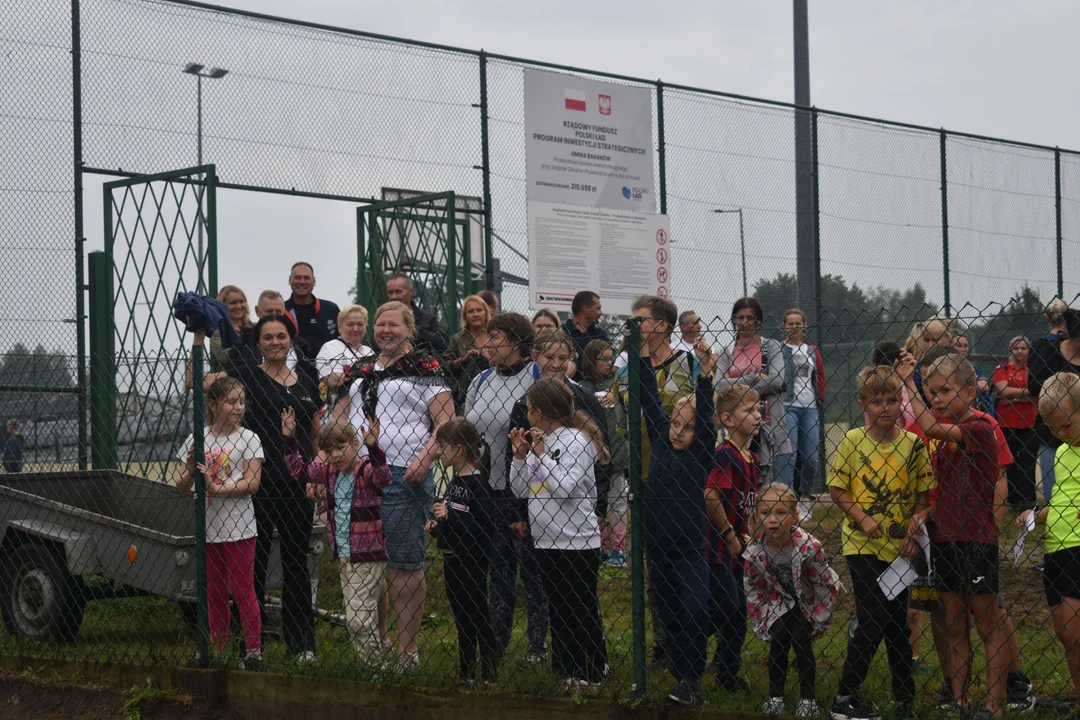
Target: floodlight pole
x=213, y=74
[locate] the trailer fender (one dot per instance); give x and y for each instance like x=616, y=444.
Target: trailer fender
x=80, y=550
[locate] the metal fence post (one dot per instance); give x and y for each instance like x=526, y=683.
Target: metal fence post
x=80, y=240
x=637, y=508
x=945, y=223
x=1057, y=224
x=485, y=168
x=103, y=369
x=661, y=152
x=202, y=618
x=819, y=313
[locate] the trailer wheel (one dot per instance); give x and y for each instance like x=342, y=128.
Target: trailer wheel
x=41, y=599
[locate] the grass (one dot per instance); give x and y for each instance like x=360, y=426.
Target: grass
x=151, y=631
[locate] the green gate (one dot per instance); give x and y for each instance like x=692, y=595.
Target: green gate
x=425, y=238
x=160, y=239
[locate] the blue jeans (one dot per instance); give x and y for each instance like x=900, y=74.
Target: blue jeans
x=1047, y=458
x=804, y=431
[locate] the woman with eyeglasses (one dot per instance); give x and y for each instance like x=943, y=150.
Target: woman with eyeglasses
x=758, y=362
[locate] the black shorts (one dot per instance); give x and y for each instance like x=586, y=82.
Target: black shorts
x=1061, y=576
x=966, y=568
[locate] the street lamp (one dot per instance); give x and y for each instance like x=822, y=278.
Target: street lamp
x=742, y=245
x=200, y=72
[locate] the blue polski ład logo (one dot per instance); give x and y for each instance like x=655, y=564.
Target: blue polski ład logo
x=626, y=192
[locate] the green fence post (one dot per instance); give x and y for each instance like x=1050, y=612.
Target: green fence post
x=485, y=165
x=80, y=239
x=1057, y=224
x=945, y=223
x=637, y=508
x=451, y=264
x=210, y=218
x=202, y=619
x=661, y=151
x=102, y=364
x=819, y=310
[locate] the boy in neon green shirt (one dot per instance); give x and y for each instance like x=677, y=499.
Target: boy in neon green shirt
x=1059, y=405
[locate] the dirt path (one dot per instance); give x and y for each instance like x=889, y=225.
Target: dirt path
x=34, y=699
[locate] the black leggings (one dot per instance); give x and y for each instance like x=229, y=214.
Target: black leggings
x=879, y=619
x=1024, y=445
x=577, y=632
x=466, y=579
x=792, y=631
x=292, y=516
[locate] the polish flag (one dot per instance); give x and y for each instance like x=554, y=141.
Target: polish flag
x=575, y=100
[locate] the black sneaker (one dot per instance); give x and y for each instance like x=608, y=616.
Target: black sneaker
x=944, y=699
x=683, y=694
x=1020, y=696
x=731, y=683
x=849, y=707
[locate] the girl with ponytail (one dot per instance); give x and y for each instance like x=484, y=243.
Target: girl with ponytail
x=552, y=468
x=463, y=523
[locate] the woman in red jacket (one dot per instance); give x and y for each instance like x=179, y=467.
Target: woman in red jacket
x=1016, y=414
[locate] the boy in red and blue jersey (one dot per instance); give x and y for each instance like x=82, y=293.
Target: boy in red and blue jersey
x=730, y=496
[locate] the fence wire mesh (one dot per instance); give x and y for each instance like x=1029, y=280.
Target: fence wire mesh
x=922, y=238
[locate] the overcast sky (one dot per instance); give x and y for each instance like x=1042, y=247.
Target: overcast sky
x=1003, y=69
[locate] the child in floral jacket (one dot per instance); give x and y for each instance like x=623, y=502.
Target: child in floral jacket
x=354, y=486
x=791, y=593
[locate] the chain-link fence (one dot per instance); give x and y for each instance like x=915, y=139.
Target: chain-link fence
x=525, y=542
x=388, y=570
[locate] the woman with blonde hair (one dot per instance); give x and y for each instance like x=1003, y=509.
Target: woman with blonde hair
x=406, y=391
x=464, y=359
x=240, y=317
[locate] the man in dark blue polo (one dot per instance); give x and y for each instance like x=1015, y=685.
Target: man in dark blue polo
x=583, y=325
x=315, y=319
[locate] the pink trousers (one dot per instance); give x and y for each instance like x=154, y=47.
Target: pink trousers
x=230, y=568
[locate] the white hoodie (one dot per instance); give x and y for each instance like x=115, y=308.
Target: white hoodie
x=561, y=490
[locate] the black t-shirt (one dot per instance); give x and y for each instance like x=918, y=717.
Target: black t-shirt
x=266, y=400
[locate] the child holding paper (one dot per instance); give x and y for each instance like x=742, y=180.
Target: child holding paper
x=880, y=478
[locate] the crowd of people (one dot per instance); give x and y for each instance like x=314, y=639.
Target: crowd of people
x=528, y=421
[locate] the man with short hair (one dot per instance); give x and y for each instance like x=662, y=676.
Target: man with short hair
x=583, y=324
x=315, y=319
x=690, y=331
x=428, y=335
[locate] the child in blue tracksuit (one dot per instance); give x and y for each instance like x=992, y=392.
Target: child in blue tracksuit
x=676, y=521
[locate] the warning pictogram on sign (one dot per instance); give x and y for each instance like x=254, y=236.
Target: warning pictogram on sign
x=661, y=237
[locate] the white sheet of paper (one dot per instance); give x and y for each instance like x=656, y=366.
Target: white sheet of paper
x=897, y=578
x=1018, y=548
x=923, y=539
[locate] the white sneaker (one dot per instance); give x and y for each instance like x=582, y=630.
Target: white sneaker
x=806, y=509
x=806, y=708
x=408, y=661
x=773, y=706
x=305, y=657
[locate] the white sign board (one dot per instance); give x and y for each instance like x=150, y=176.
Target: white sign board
x=588, y=142
x=617, y=254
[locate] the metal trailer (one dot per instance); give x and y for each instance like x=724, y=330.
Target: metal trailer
x=59, y=528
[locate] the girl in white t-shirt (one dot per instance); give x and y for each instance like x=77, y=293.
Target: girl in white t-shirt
x=232, y=465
